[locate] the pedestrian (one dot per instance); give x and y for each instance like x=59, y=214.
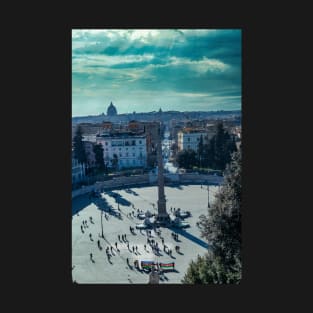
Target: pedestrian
x=116, y=245
x=127, y=261
x=98, y=242
x=133, y=249
x=144, y=246
x=90, y=256
x=162, y=241
x=111, y=249
x=128, y=245
x=118, y=238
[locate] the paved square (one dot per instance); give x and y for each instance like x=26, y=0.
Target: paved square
x=99, y=269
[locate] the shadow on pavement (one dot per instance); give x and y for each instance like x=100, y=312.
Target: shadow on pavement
x=189, y=236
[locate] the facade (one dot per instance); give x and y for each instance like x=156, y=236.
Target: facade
x=78, y=171
x=129, y=149
x=189, y=138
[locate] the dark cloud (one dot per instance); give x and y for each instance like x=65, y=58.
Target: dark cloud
x=179, y=62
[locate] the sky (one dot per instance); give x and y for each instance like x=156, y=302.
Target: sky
x=143, y=70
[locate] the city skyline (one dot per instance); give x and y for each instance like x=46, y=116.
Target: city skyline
x=144, y=70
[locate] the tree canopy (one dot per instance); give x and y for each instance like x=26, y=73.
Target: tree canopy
x=221, y=228
x=79, y=149
x=98, y=151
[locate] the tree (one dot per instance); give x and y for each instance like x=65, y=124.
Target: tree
x=79, y=149
x=222, y=230
x=115, y=161
x=186, y=159
x=200, y=151
x=221, y=146
x=98, y=151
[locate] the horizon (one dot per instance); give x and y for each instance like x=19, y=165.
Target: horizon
x=147, y=69
x=156, y=111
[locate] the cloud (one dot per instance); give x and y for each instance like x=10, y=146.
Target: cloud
x=174, y=66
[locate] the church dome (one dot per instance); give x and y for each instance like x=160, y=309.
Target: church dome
x=111, y=111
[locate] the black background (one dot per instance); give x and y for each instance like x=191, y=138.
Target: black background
x=38, y=235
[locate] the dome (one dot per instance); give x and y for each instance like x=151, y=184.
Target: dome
x=111, y=111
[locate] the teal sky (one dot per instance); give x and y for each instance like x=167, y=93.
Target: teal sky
x=142, y=70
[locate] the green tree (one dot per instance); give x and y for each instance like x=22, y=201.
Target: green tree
x=98, y=151
x=186, y=158
x=79, y=149
x=221, y=146
x=200, y=152
x=115, y=161
x=222, y=230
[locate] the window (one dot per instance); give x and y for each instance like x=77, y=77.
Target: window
x=188, y=139
x=140, y=142
x=120, y=154
x=106, y=143
x=134, y=154
x=133, y=142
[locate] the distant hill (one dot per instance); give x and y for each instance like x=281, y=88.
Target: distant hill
x=154, y=116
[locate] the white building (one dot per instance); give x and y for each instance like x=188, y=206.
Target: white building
x=130, y=149
x=189, y=139
x=78, y=171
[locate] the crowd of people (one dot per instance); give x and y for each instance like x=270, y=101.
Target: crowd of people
x=152, y=241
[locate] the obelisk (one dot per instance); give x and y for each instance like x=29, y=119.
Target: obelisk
x=163, y=216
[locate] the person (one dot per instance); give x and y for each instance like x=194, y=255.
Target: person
x=133, y=249
x=163, y=241
x=116, y=245
x=119, y=238
x=90, y=256
x=127, y=260
x=144, y=246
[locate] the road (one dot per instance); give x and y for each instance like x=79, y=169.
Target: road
x=166, y=151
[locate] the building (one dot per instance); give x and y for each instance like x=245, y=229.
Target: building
x=87, y=128
x=78, y=171
x=189, y=138
x=129, y=149
x=111, y=111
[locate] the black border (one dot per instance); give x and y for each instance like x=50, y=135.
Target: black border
x=45, y=246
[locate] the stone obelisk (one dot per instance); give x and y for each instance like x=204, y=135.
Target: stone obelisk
x=163, y=216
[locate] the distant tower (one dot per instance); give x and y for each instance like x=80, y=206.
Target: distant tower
x=111, y=111
x=163, y=216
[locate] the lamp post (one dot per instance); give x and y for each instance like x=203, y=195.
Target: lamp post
x=208, y=197
x=102, y=225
